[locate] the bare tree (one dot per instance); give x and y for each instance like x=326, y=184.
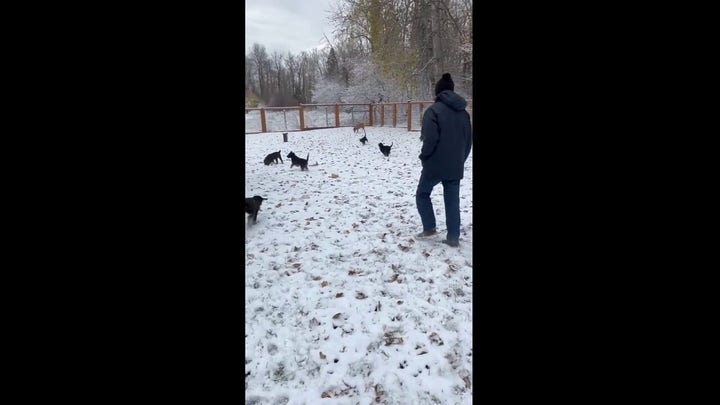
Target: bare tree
x=408, y=44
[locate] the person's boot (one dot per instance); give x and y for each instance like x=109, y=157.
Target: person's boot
x=424, y=234
x=450, y=242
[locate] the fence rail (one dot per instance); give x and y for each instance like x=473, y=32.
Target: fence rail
x=317, y=116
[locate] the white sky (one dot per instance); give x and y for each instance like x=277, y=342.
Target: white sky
x=287, y=25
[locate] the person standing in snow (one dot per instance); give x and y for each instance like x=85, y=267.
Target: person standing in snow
x=447, y=140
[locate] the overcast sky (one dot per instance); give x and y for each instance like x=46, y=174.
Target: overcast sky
x=286, y=25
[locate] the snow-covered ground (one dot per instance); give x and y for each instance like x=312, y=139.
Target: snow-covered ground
x=344, y=305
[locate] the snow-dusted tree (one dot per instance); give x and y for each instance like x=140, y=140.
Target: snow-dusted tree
x=367, y=85
x=332, y=66
x=328, y=91
x=413, y=42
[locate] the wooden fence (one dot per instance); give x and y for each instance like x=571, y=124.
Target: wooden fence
x=378, y=114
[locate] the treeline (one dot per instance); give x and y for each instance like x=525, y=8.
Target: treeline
x=381, y=50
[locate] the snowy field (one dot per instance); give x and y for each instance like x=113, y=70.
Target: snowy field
x=344, y=305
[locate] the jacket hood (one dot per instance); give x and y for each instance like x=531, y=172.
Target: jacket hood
x=452, y=100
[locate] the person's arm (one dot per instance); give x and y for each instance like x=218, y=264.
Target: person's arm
x=468, y=141
x=429, y=134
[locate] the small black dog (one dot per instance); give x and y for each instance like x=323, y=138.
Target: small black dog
x=252, y=206
x=296, y=161
x=363, y=139
x=273, y=158
x=385, y=149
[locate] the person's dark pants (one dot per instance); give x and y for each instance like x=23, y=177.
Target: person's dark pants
x=451, y=195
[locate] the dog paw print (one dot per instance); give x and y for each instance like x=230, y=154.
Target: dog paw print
x=403, y=364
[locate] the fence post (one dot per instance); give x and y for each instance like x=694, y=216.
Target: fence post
x=394, y=115
x=409, y=115
x=302, y=118
x=370, y=109
x=263, y=126
x=382, y=115
x=337, y=115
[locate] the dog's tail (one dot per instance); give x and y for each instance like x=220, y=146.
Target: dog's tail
x=308, y=156
x=391, y=145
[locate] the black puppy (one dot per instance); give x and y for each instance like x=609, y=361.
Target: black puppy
x=252, y=206
x=296, y=161
x=385, y=149
x=273, y=157
x=363, y=139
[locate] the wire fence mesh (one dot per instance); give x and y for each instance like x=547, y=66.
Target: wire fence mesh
x=316, y=116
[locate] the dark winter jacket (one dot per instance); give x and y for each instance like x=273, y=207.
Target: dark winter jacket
x=446, y=136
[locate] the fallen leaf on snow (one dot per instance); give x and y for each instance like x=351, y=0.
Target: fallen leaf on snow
x=435, y=339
